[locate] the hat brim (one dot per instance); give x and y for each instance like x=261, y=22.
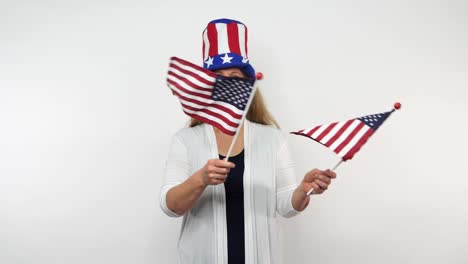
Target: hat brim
x=229, y=60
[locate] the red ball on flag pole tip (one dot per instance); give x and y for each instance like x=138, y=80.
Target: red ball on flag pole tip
x=259, y=76
x=397, y=105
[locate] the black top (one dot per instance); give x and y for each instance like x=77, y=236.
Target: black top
x=234, y=187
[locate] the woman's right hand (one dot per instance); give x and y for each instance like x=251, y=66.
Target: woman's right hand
x=215, y=171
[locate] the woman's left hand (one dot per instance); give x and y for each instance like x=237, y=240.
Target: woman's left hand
x=318, y=180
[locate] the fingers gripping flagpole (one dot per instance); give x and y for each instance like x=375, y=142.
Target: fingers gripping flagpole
x=258, y=77
x=334, y=168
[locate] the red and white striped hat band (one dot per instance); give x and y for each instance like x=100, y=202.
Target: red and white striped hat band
x=225, y=46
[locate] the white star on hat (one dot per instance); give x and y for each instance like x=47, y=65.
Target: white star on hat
x=209, y=61
x=226, y=58
x=245, y=60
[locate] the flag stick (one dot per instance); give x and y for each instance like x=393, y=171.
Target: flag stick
x=334, y=168
x=258, y=77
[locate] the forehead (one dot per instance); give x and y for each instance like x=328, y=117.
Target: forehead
x=230, y=70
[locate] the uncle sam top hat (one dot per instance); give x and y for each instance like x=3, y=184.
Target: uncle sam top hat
x=225, y=46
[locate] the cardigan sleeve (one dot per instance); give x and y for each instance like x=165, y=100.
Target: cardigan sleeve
x=285, y=181
x=176, y=171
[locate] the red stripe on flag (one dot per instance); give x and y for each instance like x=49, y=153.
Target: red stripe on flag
x=191, y=100
x=204, y=96
x=203, y=104
x=326, y=131
x=233, y=36
x=358, y=145
x=188, y=82
x=213, y=39
x=213, y=123
x=194, y=75
x=349, y=137
x=194, y=66
x=338, y=133
x=312, y=131
x=210, y=113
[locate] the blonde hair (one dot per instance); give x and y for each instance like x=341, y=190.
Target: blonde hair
x=258, y=113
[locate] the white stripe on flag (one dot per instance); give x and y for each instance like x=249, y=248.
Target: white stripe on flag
x=196, y=71
x=223, y=40
x=318, y=132
x=208, y=101
x=187, y=86
x=354, y=140
x=191, y=79
x=306, y=131
x=332, y=132
x=241, y=30
x=212, y=118
x=211, y=108
x=345, y=134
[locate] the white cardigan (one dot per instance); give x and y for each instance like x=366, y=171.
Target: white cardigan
x=269, y=182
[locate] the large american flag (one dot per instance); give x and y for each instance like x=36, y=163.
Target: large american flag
x=346, y=138
x=209, y=97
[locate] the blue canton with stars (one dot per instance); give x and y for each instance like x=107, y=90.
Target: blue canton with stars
x=232, y=90
x=374, y=121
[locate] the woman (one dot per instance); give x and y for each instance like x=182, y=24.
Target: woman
x=230, y=208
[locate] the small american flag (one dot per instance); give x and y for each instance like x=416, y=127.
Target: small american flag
x=346, y=138
x=209, y=97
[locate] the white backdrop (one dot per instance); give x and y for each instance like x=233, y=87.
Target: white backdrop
x=85, y=119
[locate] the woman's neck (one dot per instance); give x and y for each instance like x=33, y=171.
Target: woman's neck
x=224, y=141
